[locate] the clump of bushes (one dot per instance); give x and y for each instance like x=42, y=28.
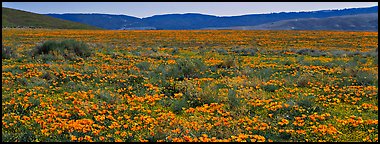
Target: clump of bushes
x=69, y=49
x=365, y=78
x=175, y=51
x=187, y=68
x=271, y=87
x=7, y=52
x=207, y=94
x=221, y=51
x=107, y=97
x=311, y=52
x=178, y=105
x=194, y=95
x=233, y=100
x=343, y=53
x=154, y=54
x=245, y=51
x=144, y=66
x=264, y=74
x=229, y=62
x=308, y=103
x=303, y=80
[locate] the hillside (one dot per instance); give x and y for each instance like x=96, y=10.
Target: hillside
x=105, y=21
x=18, y=18
x=360, y=22
x=200, y=21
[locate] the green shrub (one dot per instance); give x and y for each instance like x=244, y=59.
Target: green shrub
x=22, y=81
x=47, y=58
x=311, y=52
x=143, y=66
x=221, y=51
x=365, y=78
x=376, y=60
x=69, y=49
x=203, y=51
x=336, y=63
x=271, y=87
x=7, y=52
x=47, y=75
x=343, y=53
x=265, y=73
x=303, y=80
x=308, y=103
x=287, y=62
x=233, y=100
x=338, y=53
x=175, y=51
x=245, y=51
x=228, y=63
x=107, y=97
x=178, y=105
x=300, y=59
x=187, y=68
x=196, y=95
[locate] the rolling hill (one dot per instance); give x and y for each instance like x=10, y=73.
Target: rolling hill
x=105, y=21
x=359, y=22
x=200, y=21
x=18, y=18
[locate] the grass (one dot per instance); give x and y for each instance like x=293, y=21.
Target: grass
x=18, y=18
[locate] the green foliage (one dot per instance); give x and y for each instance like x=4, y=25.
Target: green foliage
x=175, y=51
x=22, y=135
x=376, y=60
x=233, y=100
x=365, y=78
x=187, y=68
x=7, y=52
x=22, y=81
x=198, y=95
x=303, y=80
x=336, y=63
x=143, y=66
x=245, y=51
x=107, y=97
x=179, y=104
x=308, y=103
x=222, y=51
x=311, y=52
x=264, y=73
x=229, y=62
x=69, y=49
x=271, y=87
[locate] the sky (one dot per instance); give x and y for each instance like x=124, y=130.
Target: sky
x=146, y=9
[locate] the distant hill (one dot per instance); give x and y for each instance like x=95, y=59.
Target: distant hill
x=18, y=18
x=105, y=21
x=359, y=22
x=201, y=21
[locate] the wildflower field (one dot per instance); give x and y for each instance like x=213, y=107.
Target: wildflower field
x=201, y=85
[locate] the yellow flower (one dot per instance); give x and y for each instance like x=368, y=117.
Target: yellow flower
x=73, y=138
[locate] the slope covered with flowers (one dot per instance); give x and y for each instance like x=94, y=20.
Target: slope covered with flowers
x=208, y=86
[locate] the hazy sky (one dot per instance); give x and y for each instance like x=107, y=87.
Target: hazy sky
x=146, y=9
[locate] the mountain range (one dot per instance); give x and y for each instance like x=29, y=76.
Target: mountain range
x=352, y=19
x=191, y=21
x=358, y=22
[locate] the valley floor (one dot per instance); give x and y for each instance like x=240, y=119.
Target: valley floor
x=202, y=85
